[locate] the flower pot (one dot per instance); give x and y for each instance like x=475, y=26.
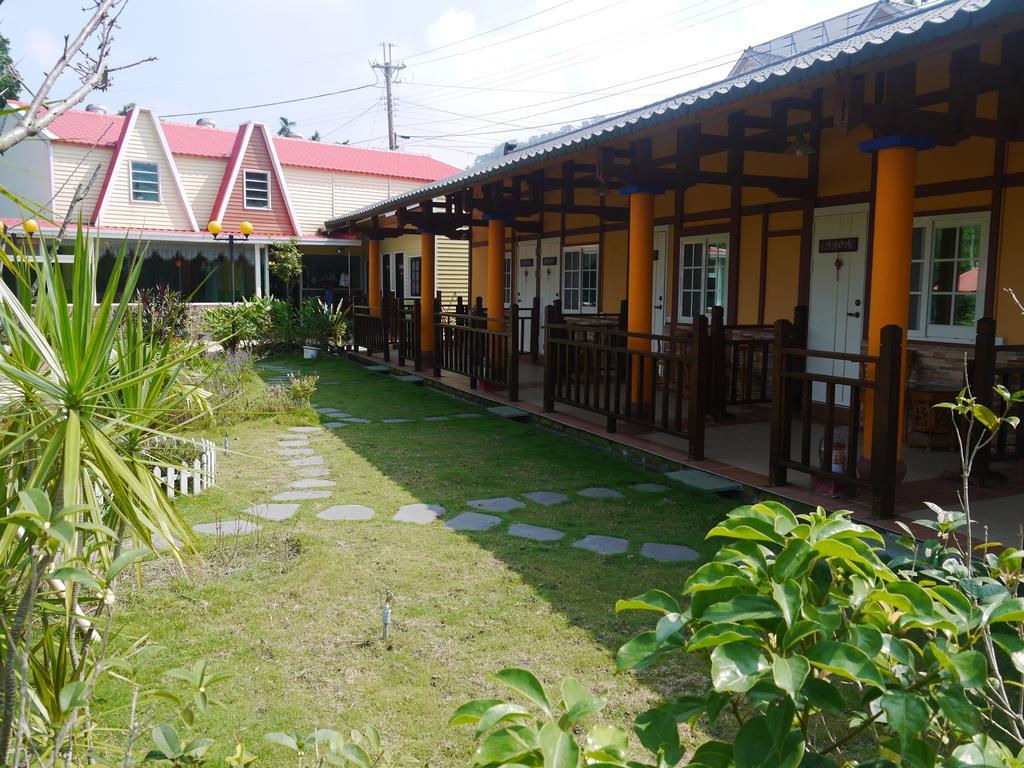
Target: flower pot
x=310, y=352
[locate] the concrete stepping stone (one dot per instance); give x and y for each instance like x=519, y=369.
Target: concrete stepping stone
x=295, y=452
x=468, y=415
x=335, y=424
x=273, y=511
x=649, y=487
x=356, y=420
x=500, y=504
x=421, y=514
x=313, y=472
x=435, y=418
x=320, y=409
x=378, y=368
x=346, y=512
x=409, y=378
x=600, y=493
x=508, y=412
x=293, y=443
x=669, y=553
x=472, y=521
x=227, y=528
x=338, y=414
x=603, y=545
x=396, y=421
x=306, y=461
x=705, y=481
x=303, y=429
x=535, y=532
x=301, y=495
x=313, y=482
x=547, y=498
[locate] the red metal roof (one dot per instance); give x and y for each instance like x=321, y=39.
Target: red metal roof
x=80, y=127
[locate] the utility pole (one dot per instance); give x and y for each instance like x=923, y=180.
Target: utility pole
x=389, y=71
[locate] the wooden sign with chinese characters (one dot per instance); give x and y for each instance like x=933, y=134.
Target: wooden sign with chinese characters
x=838, y=244
x=526, y=263
x=550, y=261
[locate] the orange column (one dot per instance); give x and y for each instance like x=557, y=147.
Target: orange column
x=890, y=259
x=426, y=291
x=641, y=282
x=374, y=268
x=494, y=300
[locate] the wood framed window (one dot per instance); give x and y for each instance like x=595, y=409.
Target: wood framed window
x=579, y=279
x=947, y=275
x=257, y=190
x=703, y=275
x=145, y=181
x=415, y=276
x=507, y=281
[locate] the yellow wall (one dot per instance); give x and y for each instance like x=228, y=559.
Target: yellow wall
x=750, y=269
x=1009, y=322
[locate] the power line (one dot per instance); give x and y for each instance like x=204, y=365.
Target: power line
x=349, y=122
x=270, y=103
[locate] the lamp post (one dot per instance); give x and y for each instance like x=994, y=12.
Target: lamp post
x=244, y=229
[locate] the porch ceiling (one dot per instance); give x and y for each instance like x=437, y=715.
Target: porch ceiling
x=933, y=21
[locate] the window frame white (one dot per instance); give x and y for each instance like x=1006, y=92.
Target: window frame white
x=131, y=181
x=245, y=190
x=507, y=280
x=589, y=249
x=940, y=332
x=703, y=240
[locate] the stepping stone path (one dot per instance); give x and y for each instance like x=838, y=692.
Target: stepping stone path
x=472, y=521
x=600, y=493
x=320, y=409
x=295, y=451
x=396, y=421
x=421, y=514
x=356, y=420
x=468, y=415
x=313, y=471
x=276, y=512
x=293, y=443
x=335, y=424
x=705, y=481
x=649, y=487
x=338, y=414
x=409, y=379
x=547, y=498
x=435, y=418
x=303, y=429
x=535, y=532
x=668, y=553
x=227, y=528
x=378, y=368
x=313, y=483
x=346, y=512
x=500, y=504
x=508, y=412
x=302, y=495
x=306, y=461
x=603, y=545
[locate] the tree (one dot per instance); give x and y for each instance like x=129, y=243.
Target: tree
x=93, y=69
x=128, y=107
x=287, y=128
x=10, y=80
x=315, y=136
x=286, y=263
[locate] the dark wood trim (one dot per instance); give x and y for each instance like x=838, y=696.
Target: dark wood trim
x=869, y=254
x=708, y=229
x=951, y=211
x=995, y=228
x=803, y=290
x=600, y=260
x=763, y=282
x=675, y=232
x=795, y=232
x=734, y=172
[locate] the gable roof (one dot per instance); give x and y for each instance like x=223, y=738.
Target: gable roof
x=936, y=19
x=78, y=126
x=117, y=161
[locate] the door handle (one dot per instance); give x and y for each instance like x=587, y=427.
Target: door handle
x=659, y=307
x=853, y=314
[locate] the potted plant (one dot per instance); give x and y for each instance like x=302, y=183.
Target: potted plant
x=315, y=325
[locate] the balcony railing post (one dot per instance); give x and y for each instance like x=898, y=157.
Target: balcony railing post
x=781, y=405
x=439, y=350
x=716, y=398
x=535, y=328
x=798, y=338
x=403, y=334
x=417, y=326
x=696, y=387
x=513, y=352
x=983, y=380
x=884, y=449
x=550, y=360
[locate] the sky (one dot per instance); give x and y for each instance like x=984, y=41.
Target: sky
x=476, y=73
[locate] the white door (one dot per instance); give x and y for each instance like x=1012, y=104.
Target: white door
x=526, y=282
x=836, y=312
x=550, y=277
x=659, y=294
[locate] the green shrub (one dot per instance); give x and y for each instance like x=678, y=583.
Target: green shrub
x=247, y=322
x=302, y=388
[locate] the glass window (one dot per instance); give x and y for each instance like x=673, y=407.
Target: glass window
x=703, y=275
x=145, y=182
x=508, y=279
x=579, y=279
x=257, y=189
x=415, y=276
x=946, y=288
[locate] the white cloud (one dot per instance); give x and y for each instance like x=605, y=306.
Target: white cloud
x=452, y=25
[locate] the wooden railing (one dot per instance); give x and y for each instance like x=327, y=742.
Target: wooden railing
x=646, y=379
x=370, y=330
x=408, y=322
x=879, y=378
x=997, y=365
x=529, y=329
x=470, y=344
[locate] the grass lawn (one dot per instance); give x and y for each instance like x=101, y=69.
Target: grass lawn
x=293, y=611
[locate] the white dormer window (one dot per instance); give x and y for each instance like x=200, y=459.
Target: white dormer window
x=257, y=190
x=145, y=178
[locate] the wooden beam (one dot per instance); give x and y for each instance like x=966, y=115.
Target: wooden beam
x=734, y=166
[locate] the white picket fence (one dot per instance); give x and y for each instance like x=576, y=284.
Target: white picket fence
x=190, y=480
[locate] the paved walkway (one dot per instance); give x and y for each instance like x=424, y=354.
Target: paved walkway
x=313, y=482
